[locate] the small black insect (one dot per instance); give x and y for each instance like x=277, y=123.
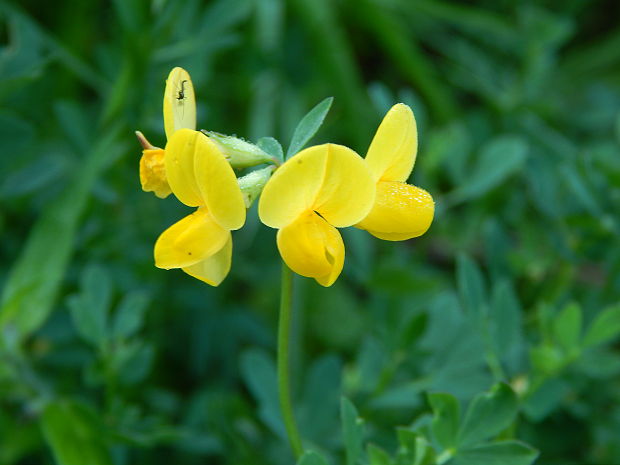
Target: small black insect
x=181, y=95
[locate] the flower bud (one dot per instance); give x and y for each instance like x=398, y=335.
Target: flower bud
x=252, y=184
x=153, y=169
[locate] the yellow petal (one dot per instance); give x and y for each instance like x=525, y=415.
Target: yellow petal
x=312, y=247
x=153, y=173
x=330, y=179
x=391, y=236
x=393, y=150
x=180, y=155
x=348, y=190
x=218, y=184
x=401, y=211
x=179, y=102
x=293, y=188
x=214, y=269
x=199, y=175
x=189, y=241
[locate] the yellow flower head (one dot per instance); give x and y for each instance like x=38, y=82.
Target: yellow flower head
x=199, y=176
x=401, y=211
x=315, y=191
x=179, y=113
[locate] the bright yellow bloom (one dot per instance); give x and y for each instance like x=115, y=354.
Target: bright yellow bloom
x=200, y=176
x=179, y=113
x=315, y=191
x=401, y=211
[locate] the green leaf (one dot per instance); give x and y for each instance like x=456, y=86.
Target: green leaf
x=90, y=308
x=312, y=458
x=317, y=409
x=499, y=453
x=507, y=324
x=75, y=127
x=85, y=321
x=271, y=146
x=407, y=439
x=414, y=449
x=446, y=416
x=499, y=159
x=404, y=395
x=424, y=452
x=406, y=445
x=471, y=287
x=133, y=361
x=353, y=429
x=28, y=63
x=546, y=399
x=392, y=33
x=581, y=192
x=97, y=289
x=129, y=315
x=488, y=414
x=471, y=18
x=599, y=362
x=377, y=456
x=15, y=132
x=270, y=20
x=35, y=279
x=566, y=327
x=412, y=330
x=74, y=435
x=604, y=328
x=547, y=359
x=259, y=373
x=308, y=126
x=335, y=52
x=39, y=175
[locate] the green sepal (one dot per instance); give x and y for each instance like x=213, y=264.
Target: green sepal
x=240, y=153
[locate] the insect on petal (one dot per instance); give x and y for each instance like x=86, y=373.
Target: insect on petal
x=179, y=102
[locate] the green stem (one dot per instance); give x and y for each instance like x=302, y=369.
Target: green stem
x=284, y=335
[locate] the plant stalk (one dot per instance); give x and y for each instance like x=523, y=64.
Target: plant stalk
x=284, y=335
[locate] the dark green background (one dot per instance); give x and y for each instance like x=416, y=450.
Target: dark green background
x=517, y=105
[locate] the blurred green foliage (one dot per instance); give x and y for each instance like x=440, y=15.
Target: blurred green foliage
x=490, y=338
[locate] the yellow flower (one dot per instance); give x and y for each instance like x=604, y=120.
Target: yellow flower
x=200, y=176
x=401, y=211
x=179, y=113
x=315, y=191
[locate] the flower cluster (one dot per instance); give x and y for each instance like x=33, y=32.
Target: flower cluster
x=306, y=198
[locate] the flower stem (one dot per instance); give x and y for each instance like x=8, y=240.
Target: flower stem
x=284, y=335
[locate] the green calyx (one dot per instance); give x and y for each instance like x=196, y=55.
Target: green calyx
x=240, y=153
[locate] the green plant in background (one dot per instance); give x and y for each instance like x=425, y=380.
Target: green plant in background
x=515, y=289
